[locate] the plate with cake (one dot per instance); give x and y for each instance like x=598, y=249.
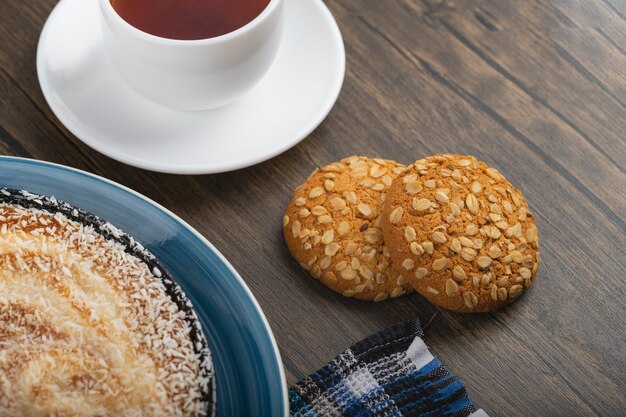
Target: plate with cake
x=112, y=305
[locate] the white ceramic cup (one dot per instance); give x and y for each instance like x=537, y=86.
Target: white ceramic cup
x=193, y=74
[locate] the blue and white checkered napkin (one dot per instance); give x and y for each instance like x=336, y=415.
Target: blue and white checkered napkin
x=391, y=373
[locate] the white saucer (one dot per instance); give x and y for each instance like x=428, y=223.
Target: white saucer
x=90, y=99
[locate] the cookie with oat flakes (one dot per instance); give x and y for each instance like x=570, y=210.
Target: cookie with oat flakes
x=461, y=233
x=332, y=227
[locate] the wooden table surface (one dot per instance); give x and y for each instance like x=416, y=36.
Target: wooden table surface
x=537, y=88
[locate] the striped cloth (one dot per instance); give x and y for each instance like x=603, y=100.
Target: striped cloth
x=391, y=373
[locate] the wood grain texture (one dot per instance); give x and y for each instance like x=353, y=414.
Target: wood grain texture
x=537, y=88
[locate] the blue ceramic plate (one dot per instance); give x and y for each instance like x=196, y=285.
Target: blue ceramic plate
x=249, y=373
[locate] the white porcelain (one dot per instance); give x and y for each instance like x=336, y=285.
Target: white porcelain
x=193, y=74
x=91, y=100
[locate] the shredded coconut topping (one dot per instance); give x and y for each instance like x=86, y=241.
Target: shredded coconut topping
x=87, y=328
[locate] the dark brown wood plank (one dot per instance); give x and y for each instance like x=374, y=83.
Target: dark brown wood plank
x=452, y=57
x=545, y=74
x=537, y=88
